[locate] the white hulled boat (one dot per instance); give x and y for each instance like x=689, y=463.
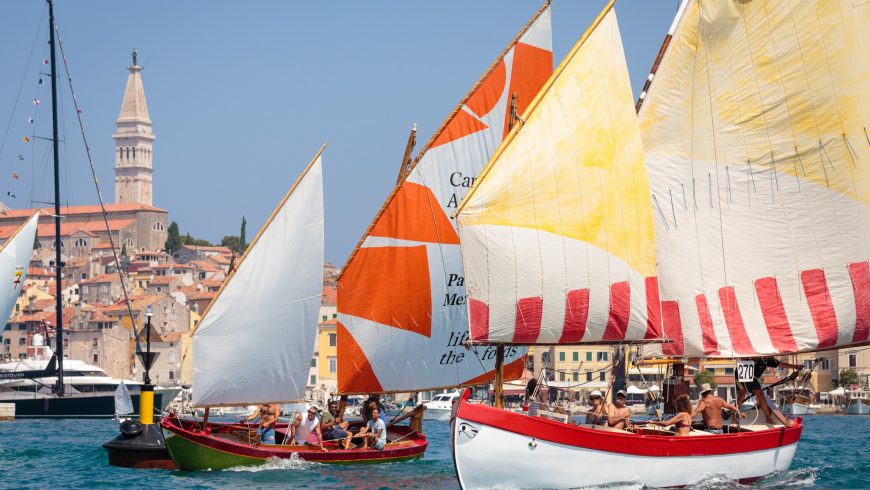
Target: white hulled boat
x=440, y=406
x=728, y=219
x=858, y=402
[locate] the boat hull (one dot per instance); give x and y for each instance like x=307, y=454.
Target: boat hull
x=493, y=447
x=81, y=406
x=798, y=409
x=441, y=414
x=858, y=407
x=193, y=449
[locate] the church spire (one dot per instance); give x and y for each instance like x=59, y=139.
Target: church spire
x=133, y=141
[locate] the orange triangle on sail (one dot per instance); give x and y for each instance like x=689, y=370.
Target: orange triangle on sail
x=355, y=374
x=390, y=286
x=512, y=370
x=415, y=214
x=531, y=68
x=460, y=126
x=490, y=91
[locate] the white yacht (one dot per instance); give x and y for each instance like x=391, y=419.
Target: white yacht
x=89, y=390
x=441, y=406
x=858, y=402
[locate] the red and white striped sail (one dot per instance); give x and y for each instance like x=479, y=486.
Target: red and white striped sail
x=757, y=149
x=557, y=233
x=401, y=297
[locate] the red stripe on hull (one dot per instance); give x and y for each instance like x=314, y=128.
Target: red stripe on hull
x=620, y=308
x=627, y=443
x=653, y=309
x=708, y=334
x=673, y=326
x=478, y=320
x=774, y=315
x=528, y=320
x=860, y=274
x=734, y=321
x=576, y=314
x=821, y=306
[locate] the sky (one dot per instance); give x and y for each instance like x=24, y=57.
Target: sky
x=242, y=94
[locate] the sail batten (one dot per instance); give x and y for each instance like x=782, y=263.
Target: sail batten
x=255, y=341
x=757, y=108
x=557, y=234
x=401, y=296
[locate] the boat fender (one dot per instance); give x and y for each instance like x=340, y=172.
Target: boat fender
x=533, y=443
x=131, y=428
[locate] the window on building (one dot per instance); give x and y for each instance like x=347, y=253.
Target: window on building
x=313, y=362
x=128, y=242
x=729, y=371
x=710, y=370
x=171, y=356
x=333, y=365
x=104, y=289
x=171, y=374
x=588, y=375
x=853, y=360
x=562, y=357
x=325, y=318
x=601, y=356
x=158, y=226
x=825, y=364
x=312, y=380
x=575, y=356
x=332, y=341
x=85, y=290
x=561, y=376
x=81, y=243
x=545, y=357
x=601, y=376
x=21, y=355
x=21, y=340
x=808, y=364
x=22, y=327
x=335, y=315
x=576, y=376
x=96, y=358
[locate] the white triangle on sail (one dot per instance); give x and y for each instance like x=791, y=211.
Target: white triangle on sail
x=255, y=342
x=14, y=261
x=123, y=402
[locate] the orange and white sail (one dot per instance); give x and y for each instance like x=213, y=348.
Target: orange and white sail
x=756, y=141
x=557, y=234
x=401, y=297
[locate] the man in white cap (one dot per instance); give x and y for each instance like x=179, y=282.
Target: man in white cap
x=710, y=407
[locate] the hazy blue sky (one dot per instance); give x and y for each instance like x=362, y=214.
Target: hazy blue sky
x=241, y=94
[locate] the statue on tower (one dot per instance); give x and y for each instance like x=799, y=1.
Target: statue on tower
x=135, y=55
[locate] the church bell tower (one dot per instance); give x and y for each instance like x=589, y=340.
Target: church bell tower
x=133, y=140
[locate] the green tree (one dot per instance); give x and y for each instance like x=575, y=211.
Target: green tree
x=848, y=377
x=232, y=242
x=243, y=244
x=705, y=377
x=173, y=239
x=198, y=242
x=123, y=250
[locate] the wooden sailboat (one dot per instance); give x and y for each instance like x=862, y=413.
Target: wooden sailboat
x=737, y=228
x=401, y=295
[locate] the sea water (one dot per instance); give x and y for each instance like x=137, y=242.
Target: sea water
x=67, y=454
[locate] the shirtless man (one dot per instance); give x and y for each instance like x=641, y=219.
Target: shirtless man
x=618, y=414
x=268, y=414
x=710, y=407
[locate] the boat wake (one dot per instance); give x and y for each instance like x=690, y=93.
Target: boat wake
x=294, y=462
x=799, y=477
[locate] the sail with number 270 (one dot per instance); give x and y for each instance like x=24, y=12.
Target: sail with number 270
x=401, y=296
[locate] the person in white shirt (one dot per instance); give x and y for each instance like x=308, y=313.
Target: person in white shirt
x=303, y=427
x=375, y=431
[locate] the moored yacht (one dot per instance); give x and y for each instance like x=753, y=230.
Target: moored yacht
x=441, y=405
x=858, y=402
x=89, y=390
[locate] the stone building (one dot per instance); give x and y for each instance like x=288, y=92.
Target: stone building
x=133, y=144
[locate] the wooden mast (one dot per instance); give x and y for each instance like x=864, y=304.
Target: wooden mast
x=405, y=168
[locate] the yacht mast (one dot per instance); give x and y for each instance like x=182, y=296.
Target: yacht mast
x=58, y=265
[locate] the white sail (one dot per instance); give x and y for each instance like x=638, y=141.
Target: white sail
x=14, y=261
x=755, y=133
x=123, y=402
x=255, y=341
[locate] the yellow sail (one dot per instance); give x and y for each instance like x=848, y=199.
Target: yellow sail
x=755, y=133
x=557, y=234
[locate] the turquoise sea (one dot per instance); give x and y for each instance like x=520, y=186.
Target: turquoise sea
x=68, y=454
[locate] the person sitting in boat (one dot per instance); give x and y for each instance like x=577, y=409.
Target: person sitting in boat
x=710, y=407
x=618, y=415
x=372, y=402
x=683, y=418
x=754, y=386
x=598, y=414
x=332, y=427
x=268, y=414
x=375, y=431
x=302, y=429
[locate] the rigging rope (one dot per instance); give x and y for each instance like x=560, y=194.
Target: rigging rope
x=99, y=193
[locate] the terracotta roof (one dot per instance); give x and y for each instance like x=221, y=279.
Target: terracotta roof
x=223, y=250
x=66, y=229
x=39, y=272
x=101, y=246
x=329, y=296
x=172, y=336
x=101, y=278
x=73, y=210
x=219, y=259
x=204, y=265
x=162, y=281
x=137, y=304
x=192, y=296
